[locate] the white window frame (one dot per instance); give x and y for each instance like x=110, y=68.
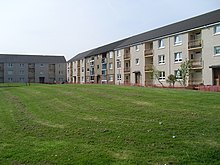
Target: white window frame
x=217, y=51
x=178, y=57
x=118, y=53
x=178, y=74
x=178, y=40
x=119, y=77
x=110, y=78
x=217, y=29
x=110, y=54
x=161, y=43
x=161, y=60
x=118, y=64
x=110, y=65
x=137, y=61
x=137, y=48
x=10, y=65
x=162, y=75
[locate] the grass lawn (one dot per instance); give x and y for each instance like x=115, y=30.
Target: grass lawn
x=104, y=124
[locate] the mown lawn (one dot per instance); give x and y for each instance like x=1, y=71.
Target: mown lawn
x=103, y=124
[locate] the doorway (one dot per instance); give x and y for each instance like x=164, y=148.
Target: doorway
x=41, y=79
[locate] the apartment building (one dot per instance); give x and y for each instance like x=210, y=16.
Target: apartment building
x=136, y=60
x=32, y=68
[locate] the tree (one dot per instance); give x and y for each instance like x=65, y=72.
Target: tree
x=171, y=79
x=184, y=69
x=156, y=75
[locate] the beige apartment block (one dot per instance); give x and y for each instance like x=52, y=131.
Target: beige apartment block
x=148, y=59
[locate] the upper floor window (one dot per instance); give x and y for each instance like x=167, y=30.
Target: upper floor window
x=161, y=43
x=110, y=77
x=10, y=65
x=10, y=72
x=162, y=75
x=137, y=47
x=118, y=64
x=21, y=65
x=137, y=61
x=41, y=65
x=21, y=72
x=178, y=57
x=217, y=50
x=177, y=40
x=161, y=59
x=82, y=69
x=111, y=55
x=217, y=29
x=110, y=65
x=118, y=53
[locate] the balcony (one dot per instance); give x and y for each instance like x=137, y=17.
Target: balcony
x=148, y=52
x=193, y=44
x=196, y=63
x=127, y=69
x=127, y=56
x=193, y=82
x=149, y=67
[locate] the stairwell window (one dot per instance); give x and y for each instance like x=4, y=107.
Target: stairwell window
x=118, y=53
x=137, y=61
x=178, y=57
x=217, y=29
x=161, y=43
x=110, y=77
x=111, y=55
x=110, y=65
x=178, y=40
x=137, y=48
x=217, y=51
x=118, y=64
x=118, y=77
x=178, y=74
x=161, y=59
x=162, y=75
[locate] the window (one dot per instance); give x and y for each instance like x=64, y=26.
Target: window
x=42, y=65
x=82, y=69
x=118, y=53
x=10, y=72
x=10, y=79
x=161, y=43
x=111, y=55
x=178, y=40
x=21, y=72
x=217, y=50
x=137, y=61
x=110, y=65
x=97, y=66
x=118, y=77
x=161, y=59
x=104, y=72
x=41, y=73
x=10, y=65
x=137, y=47
x=178, y=57
x=178, y=74
x=162, y=75
x=118, y=64
x=217, y=29
x=87, y=69
x=21, y=79
x=21, y=65
x=110, y=78
x=82, y=78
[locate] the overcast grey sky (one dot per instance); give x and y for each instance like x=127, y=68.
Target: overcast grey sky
x=72, y=26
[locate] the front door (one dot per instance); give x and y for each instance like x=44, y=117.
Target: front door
x=137, y=78
x=41, y=79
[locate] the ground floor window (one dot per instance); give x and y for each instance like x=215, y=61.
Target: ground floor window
x=118, y=77
x=162, y=75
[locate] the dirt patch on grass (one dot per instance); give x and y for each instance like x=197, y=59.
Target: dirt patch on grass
x=142, y=103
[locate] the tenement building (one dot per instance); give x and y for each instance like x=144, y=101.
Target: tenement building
x=157, y=53
x=32, y=68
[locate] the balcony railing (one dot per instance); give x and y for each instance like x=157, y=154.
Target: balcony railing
x=127, y=69
x=195, y=44
x=127, y=56
x=197, y=81
x=148, y=67
x=148, y=52
x=196, y=63
x=149, y=82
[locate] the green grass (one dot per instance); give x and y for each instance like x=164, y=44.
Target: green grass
x=94, y=124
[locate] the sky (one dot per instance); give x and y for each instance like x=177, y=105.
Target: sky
x=69, y=27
